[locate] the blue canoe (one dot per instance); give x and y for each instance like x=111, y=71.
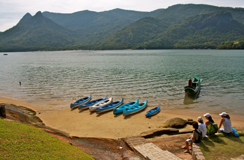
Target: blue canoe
x=80, y=102
x=86, y=105
x=135, y=108
x=153, y=111
x=124, y=106
x=109, y=106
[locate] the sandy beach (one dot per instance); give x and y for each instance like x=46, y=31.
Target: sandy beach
x=86, y=124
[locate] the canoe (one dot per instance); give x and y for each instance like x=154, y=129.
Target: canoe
x=124, y=106
x=109, y=106
x=135, y=108
x=80, y=102
x=100, y=104
x=153, y=111
x=193, y=85
x=86, y=105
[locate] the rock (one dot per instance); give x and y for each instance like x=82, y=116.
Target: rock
x=190, y=121
x=175, y=123
x=2, y=111
x=158, y=132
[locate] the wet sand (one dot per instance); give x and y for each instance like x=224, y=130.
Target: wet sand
x=85, y=124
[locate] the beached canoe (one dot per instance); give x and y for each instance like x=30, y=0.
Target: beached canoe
x=80, y=102
x=135, y=108
x=109, y=106
x=120, y=109
x=193, y=85
x=100, y=104
x=153, y=111
x=88, y=104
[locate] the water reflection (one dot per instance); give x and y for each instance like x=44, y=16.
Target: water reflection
x=190, y=99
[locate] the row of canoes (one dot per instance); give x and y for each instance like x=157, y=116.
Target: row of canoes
x=103, y=105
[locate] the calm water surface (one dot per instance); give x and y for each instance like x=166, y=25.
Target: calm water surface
x=158, y=76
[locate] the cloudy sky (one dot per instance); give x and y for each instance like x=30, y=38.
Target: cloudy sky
x=11, y=11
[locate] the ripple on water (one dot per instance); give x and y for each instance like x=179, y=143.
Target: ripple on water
x=156, y=75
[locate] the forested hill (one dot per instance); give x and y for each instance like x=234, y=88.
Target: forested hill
x=201, y=31
x=36, y=33
x=178, y=26
x=95, y=26
x=237, y=44
x=179, y=12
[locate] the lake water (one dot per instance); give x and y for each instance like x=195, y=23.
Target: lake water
x=158, y=76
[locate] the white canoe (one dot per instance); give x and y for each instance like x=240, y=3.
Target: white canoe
x=100, y=104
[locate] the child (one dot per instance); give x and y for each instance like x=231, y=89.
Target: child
x=195, y=137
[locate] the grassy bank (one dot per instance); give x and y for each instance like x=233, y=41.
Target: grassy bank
x=222, y=147
x=20, y=141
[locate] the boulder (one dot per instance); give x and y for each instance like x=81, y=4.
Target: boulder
x=2, y=111
x=175, y=123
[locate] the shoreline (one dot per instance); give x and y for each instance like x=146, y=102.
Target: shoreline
x=84, y=124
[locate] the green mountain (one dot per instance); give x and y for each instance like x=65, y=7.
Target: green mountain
x=26, y=17
x=201, y=31
x=180, y=12
x=134, y=35
x=237, y=44
x=178, y=26
x=95, y=26
x=36, y=33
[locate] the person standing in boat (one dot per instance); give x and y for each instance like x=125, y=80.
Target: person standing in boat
x=225, y=120
x=189, y=82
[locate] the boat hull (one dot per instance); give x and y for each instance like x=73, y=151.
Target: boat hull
x=109, y=107
x=153, y=111
x=80, y=102
x=100, y=104
x=193, y=86
x=120, y=109
x=88, y=104
x=191, y=91
x=135, y=108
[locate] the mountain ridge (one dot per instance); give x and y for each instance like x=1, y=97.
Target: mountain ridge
x=36, y=33
x=126, y=29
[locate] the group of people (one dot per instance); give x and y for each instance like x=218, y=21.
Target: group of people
x=208, y=128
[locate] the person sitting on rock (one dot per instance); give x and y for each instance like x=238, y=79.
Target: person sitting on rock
x=195, y=137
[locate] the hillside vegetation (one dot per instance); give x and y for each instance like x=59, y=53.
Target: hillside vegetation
x=179, y=26
x=237, y=44
x=20, y=141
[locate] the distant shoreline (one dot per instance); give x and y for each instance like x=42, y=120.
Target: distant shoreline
x=118, y=50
